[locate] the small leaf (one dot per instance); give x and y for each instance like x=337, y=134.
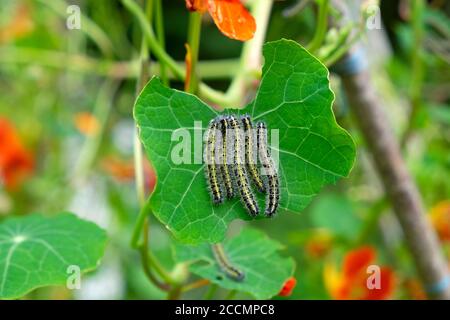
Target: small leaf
x=36, y=251
x=294, y=97
x=251, y=252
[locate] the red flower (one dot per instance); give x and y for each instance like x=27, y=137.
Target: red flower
x=230, y=16
x=16, y=163
x=288, y=287
x=352, y=281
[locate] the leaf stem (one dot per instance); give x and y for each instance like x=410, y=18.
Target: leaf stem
x=321, y=29
x=204, y=90
x=194, y=31
x=78, y=63
x=195, y=285
x=159, y=25
x=147, y=263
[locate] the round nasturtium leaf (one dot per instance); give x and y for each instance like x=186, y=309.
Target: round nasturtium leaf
x=252, y=253
x=38, y=251
x=294, y=98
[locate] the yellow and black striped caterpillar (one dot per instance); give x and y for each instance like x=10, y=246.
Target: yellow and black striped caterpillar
x=211, y=168
x=226, y=161
x=239, y=169
x=232, y=153
x=225, y=265
x=251, y=159
x=269, y=170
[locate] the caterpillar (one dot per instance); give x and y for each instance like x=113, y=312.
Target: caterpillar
x=211, y=169
x=239, y=170
x=250, y=154
x=224, y=263
x=273, y=186
x=226, y=158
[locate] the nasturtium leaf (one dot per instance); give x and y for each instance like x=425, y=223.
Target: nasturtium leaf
x=252, y=252
x=294, y=97
x=37, y=251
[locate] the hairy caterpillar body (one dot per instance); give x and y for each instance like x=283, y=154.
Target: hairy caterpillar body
x=211, y=168
x=239, y=170
x=273, y=186
x=226, y=158
x=251, y=153
x=225, y=265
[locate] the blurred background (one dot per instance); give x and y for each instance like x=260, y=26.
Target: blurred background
x=66, y=138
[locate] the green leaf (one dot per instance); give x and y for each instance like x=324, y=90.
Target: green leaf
x=36, y=251
x=294, y=97
x=251, y=252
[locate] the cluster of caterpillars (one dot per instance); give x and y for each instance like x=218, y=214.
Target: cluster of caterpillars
x=236, y=155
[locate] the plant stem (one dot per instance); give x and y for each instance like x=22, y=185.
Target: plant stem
x=251, y=53
x=398, y=184
x=194, y=31
x=417, y=73
x=77, y=63
x=194, y=285
x=159, y=25
x=342, y=50
x=147, y=263
x=321, y=26
x=162, y=55
x=90, y=148
x=153, y=43
x=89, y=27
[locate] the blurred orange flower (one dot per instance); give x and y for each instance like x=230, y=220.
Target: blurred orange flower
x=123, y=171
x=288, y=287
x=440, y=218
x=16, y=163
x=86, y=123
x=351, y=282
x=230, y=16
x=20, y=25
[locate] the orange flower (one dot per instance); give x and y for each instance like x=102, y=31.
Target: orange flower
x=288, y=287
x=20, y=25
x=440, y=218
x=16, y=163
x=230, y=16
x=123, y=171
x=351, y=283
x=87, y=123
